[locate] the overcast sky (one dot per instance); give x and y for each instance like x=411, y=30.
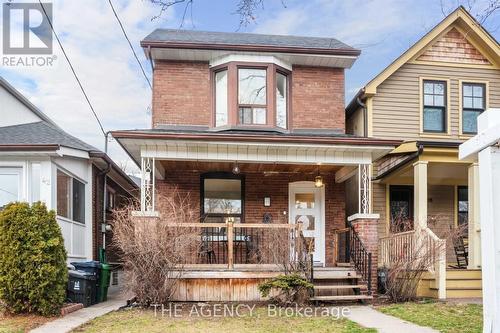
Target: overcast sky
x=382, y=29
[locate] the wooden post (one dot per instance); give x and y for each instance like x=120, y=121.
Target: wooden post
x=230, y=248
x=298, y=243
x=335, y=248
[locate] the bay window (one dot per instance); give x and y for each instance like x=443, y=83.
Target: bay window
x=250, y=95
x=70, y=197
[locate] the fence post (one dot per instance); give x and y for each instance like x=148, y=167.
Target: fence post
x=230, y=248
x=335, y=247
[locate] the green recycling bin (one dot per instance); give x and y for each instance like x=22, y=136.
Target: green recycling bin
x=102, y=288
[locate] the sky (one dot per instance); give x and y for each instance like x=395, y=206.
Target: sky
x=91, y=36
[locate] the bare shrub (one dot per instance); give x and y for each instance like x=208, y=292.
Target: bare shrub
x=417, y=253
x=155, y=248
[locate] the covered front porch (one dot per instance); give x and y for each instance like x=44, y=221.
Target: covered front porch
x=263, y=206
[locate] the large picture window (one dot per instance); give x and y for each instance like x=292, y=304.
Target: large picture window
x=249, y=94
x=70, y=197
x=473, y=104
x=434, y=113
x=221, y=197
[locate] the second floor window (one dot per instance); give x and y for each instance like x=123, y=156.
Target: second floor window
x=434, y=113
x=473, y=104
x=251, y=95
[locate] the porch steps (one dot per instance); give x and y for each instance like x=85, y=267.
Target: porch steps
x=338, y=284
x=341, y=298
x=460, y=283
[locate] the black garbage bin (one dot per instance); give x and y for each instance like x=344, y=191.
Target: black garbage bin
x=92, y=267
x=82, y=287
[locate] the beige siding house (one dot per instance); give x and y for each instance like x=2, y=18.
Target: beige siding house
x=430, y=97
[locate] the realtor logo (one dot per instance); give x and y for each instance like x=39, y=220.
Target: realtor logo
x=35, y=37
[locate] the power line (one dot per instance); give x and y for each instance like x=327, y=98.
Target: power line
x=72, y=69
x=130, y=44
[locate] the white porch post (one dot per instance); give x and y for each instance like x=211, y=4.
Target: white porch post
x=420, y=194
x=474, y=222
x=147, y=184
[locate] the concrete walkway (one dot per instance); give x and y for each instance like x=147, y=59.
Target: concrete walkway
x=369, y=317
x=80, y=317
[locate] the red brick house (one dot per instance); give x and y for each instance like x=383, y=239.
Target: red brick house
x=253, y=127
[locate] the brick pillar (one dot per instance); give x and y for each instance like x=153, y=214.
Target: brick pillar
x=366, y=227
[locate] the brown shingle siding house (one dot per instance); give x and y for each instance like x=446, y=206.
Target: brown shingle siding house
x=430, y=97
x=253, y=127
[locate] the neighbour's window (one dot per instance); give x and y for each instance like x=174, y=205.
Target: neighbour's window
x=222, y=198
x=70, y=197
x=463, y=205
x=221, y=98
x=434, y=106
x=10, y=185
x=252, y=101
x=401, y=208
x=111, y=199
x=473, y=104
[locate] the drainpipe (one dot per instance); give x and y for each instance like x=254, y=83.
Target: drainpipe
x=365, y=114
x=104, y=173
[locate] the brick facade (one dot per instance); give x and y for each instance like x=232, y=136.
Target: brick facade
x=318, y=98
x=368, y=233
x=122, y=198
x=182, y=96
x=258, y=186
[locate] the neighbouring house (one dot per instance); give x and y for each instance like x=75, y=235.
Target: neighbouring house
x=41, y=162
x=430, y=98
x=253, y=127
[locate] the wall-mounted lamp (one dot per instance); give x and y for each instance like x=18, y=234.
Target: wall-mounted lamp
x=318, y=180
x=236, y=168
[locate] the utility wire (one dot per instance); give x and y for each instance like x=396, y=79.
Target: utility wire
x=130, y=44
x=73, y=70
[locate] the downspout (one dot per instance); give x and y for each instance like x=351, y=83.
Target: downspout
x=365, y=116
x=104, y=173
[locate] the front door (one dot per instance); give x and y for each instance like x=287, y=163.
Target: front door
x=307, y=206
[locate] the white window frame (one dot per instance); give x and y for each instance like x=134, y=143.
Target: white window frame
x=70, y=219
x=15, y=170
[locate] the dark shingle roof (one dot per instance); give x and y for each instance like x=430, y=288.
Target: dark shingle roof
x=40, y=133
x=236, y=38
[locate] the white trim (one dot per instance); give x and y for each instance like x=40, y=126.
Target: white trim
x=358, y=216
x=265, y=59
x=139, y=213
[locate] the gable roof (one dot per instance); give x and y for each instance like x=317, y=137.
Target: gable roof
x=176, y=38
x=460, y=17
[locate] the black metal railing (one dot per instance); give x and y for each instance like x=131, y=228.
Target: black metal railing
x=360, y=257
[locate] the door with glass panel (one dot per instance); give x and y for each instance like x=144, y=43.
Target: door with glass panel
x=10, y=185
x=307, y=207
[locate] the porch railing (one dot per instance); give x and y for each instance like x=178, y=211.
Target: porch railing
x=230, y=244
x=421, y=247
x=348, y=248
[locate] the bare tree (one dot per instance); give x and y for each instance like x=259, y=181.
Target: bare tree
x=245, y=9
x=481, y=11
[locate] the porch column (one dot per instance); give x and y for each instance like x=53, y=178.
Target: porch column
x=474, y=221
x=148, y=184
x=420, y=194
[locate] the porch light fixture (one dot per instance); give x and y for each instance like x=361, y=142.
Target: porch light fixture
x=236, y=169
x=318, y=180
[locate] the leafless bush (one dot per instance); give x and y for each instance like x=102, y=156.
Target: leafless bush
x=416, y=254
x=154, y=249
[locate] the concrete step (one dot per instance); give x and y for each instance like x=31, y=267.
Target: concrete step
x=340, y=286
x=335, y=274
x=341, y=298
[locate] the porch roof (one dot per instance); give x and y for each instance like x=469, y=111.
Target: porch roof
x=252, y=146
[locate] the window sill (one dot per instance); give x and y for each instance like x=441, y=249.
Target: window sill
x=266, y=128
x=139, y=213
x=434, y=135
x=65, y=219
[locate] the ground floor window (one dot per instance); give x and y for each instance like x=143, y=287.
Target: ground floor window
x=10, y=185
x=463, y=205
x=222, y=197
x=401, y=208
x=70, y=197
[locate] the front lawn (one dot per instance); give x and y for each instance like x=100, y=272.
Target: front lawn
x=447, y=318
x=145, y=321
x=20, y=323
